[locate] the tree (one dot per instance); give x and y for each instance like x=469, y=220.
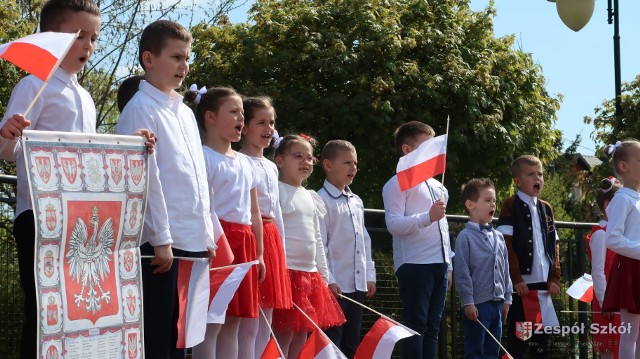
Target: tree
x=358, y=69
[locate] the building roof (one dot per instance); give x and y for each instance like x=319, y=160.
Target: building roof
x=588, y=162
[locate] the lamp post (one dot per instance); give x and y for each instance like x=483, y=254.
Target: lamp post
x=576, y=14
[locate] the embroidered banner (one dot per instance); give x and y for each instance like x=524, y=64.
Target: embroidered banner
x=89, y=197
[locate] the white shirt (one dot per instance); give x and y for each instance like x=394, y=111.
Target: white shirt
x=598, y=246
x=346, y=240
x=64, y=105
x=623, y=229
x=540, y=264
x=231, y=180
x=415, y=238
x=301, y=212
x=178, y=194
x=268, y=194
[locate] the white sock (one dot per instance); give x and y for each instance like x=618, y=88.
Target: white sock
x=227, y=344
x=247, y=336
x=207, y=349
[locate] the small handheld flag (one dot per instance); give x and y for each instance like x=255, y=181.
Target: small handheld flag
x=582, y=289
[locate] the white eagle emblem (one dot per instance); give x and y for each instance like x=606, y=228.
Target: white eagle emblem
x=88, y=260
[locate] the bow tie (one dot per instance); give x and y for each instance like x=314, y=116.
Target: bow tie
x=486, y=227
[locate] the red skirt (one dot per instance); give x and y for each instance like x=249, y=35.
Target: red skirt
x=603, y=343
x=623, y=286
x=244, y=303
x=275, y=290
x=312, y=295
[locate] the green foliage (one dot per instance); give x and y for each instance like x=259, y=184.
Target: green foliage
x=358, y=69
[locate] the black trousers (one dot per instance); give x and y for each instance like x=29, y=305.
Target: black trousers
x=25, y=237
x=347, y=336
x=538, y=344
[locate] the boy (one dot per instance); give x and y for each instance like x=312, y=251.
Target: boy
x=63, y=106
x=177, y=222
x=530, y=234
x=352, y=272
x=481, y=272
x=421, y=250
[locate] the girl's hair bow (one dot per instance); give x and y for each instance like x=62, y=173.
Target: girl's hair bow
x=200, y=92
x=613, y=181
x=612, y=148
x=276, y=139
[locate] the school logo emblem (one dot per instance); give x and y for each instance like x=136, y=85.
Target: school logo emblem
x=132, y=345
x=116, y=169
x=52, y=312
x=52, y=353
x=69, y=168
x=43, y=166
x=524, y=330
x=48, y=265
x=131, y=302
x=135, y=171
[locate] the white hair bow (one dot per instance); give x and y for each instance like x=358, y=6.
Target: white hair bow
x=200, y=92
x=612, y=148
x=276, y=139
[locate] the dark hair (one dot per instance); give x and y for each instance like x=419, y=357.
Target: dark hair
x=288, y=140
x=471, y=190
x=251, y=105
x=516, y=165
x=127, y=89
x=608, y=187
x=408, y=132
x=154, y=37
x=209, y=101
x=54, y=12
x=620, y=152
x=331, y=148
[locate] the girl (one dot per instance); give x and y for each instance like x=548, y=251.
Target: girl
x=601, y=261
x=301, y=212
x=623, y=237
x=275, y=291
x=230, y=175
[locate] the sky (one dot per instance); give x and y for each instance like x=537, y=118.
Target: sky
x=577, y=65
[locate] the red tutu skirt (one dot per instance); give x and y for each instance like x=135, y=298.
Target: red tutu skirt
x=244, y=303
x=275, y=290
x=603, y=343
x=623, y=286
x=312, y=295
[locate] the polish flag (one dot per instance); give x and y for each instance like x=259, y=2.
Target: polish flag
x=38, y=54
x=224, y=283
x=318, y=346
x=271, y=350
x=380, y=340
x=193, y=299
x=538, y=308
x=426, y=161
x=224, y=255
x=582, y=289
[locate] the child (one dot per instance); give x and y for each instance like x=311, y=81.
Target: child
x=63, y=106
x=275, y=291
x=301, y=213
x=601, y=262
x=623, y=213
x=231, y=178
x=352, y=272
x=421, y=250
x=481, y=271
x=127, y=89
x=178, y=220
x=528, y=227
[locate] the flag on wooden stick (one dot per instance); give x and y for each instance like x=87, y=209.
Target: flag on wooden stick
x=582, y=289
x=224, y=283
x=38, y=54
x=380, y=340
x=426, y=161
x=193, y=300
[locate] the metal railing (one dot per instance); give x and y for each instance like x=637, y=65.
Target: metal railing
x=387, y=301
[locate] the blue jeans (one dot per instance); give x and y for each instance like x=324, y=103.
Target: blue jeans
x=347, y=336
x=423, y=290
x=477, y=343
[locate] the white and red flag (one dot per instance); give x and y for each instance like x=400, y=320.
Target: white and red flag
x=224, y=283
x=224, y=255
x=538, y=308
x=380, y=340
x=318, y=346
x=582, y=289
x=38, y=54
x=271, y=351
x=426, y=161
x=193, y=299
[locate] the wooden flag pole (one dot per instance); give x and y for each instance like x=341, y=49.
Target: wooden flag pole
x=494, y=338
x=445, y=167
x=271, y=331
x=380, y=314
x=35, y=98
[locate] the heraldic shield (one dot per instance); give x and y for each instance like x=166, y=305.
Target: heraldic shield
x=88, y=265
x=524, y=330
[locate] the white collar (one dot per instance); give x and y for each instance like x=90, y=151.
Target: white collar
x=528, y=199
x=173, y=98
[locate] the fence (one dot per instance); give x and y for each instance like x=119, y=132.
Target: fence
x=573, y=259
